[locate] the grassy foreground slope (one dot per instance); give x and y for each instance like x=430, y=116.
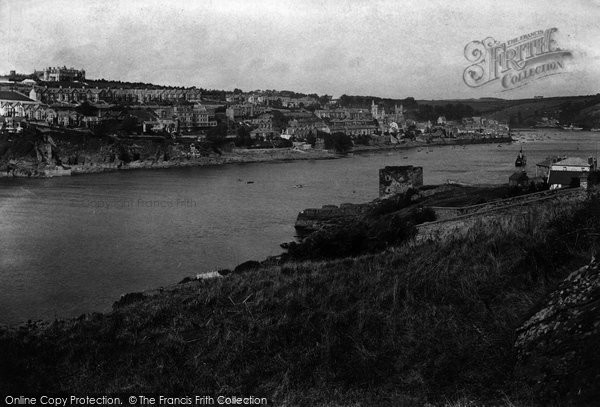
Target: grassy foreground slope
x=429, y=322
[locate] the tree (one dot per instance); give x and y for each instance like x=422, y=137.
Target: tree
x=339, y=142
x=282, y=143
x=323, y=100
x=363, y=139
x=279, y=120
x=216, y=135
x=129, y=124
x=243, y=137
x=85, y=109
x=311, y=138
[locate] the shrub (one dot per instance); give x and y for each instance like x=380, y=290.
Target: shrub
x=339, y=142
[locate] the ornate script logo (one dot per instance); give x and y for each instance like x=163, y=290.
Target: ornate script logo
x=516, y=62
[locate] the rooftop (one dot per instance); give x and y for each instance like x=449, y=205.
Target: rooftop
x=550, y=160
x=573, y=161
x=10, y=95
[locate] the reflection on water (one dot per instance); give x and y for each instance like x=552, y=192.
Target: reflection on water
x=74, y=245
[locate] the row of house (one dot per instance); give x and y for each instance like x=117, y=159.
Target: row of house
x=301, y=128
x=185, y=116
x=68, y=85
x=244, y=111
x=270, y=100
x=344, y=114
x=77, y=95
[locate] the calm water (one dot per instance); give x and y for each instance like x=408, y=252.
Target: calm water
x=74, y=245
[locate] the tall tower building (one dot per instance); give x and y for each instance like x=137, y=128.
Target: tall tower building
x=374, y=111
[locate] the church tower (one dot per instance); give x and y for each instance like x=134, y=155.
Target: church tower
x=374, y=110
x=399, y=113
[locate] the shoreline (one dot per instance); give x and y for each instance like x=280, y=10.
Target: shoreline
x=236, y=156
x=438, y=143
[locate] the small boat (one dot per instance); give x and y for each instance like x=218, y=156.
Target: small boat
x=521, y=160
x=572, y=128
x=594, y=129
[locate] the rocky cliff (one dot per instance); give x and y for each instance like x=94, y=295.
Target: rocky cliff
x=558, y=348
x=44, y=152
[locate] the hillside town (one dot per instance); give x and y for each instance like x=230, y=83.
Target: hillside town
x=63, y=98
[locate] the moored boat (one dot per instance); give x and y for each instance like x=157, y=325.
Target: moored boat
x=521, y=160
x=572, y=128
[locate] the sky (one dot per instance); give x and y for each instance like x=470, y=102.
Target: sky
x=380, y=48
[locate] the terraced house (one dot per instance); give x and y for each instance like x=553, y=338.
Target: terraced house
x=78, y=94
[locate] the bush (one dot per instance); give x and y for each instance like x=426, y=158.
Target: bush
x=385, y=226
x=339, y=142
x=363, y=140
x=124, y=154
x=392, y=203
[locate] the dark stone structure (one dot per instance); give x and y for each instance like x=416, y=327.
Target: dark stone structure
x=518, y=179
x=313, y=219
x=397, y=180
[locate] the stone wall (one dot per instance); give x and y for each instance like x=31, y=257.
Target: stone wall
x=517, y=210
x=397, y=180
x=443, y=213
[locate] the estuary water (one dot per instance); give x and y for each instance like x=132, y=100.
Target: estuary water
x=75, y=244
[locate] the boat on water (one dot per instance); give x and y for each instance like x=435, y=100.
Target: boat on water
x=521, y=160
x=572, y=128
x=594, y=129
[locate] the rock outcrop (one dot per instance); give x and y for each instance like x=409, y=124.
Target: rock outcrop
x=558, y=349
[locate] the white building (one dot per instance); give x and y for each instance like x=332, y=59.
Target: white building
x=572, y=171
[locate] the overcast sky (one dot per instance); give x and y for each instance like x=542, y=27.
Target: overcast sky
x=380, y=48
